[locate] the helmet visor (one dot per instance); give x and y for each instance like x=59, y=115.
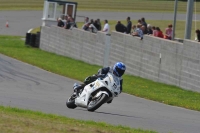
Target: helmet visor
x=119, y=71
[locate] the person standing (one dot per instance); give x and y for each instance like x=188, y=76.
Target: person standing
x=143, y=22
x=99, y=23
x=106, y=27
x=129, y=25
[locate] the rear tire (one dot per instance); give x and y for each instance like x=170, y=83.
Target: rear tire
x=71, y=102
x=95, y=104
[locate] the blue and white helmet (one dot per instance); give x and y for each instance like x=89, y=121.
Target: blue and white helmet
x=119, y=69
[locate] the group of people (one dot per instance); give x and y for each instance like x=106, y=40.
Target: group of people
x=139, y=29
x=142, y=28
x=67, y=23
x=95, y=25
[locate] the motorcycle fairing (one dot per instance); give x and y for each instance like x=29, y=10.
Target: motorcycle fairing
x=110, y=82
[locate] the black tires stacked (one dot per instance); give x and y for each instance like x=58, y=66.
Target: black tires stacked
x=33, y=39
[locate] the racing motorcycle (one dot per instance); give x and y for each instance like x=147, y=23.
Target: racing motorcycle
x=97, y=92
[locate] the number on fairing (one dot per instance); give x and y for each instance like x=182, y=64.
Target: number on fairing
x=114, y=86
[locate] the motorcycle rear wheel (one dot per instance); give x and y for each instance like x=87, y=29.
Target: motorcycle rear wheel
x=71, y=102
x=95, y=104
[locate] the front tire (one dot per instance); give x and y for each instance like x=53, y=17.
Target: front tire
x=95, y=104
x=71, y=102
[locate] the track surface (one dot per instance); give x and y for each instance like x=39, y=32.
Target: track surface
x=28, y=87
x=21, y=21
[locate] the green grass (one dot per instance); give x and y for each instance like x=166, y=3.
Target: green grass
x=103, y=5
x=167, y=94
x=26, y=121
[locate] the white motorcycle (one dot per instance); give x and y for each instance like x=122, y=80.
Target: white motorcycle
x=96, y=93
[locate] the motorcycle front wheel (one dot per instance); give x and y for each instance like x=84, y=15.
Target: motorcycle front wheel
x=97, y=102
x=71, y=102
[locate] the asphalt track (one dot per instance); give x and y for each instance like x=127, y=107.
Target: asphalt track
x=25, y=86
x=21, y=21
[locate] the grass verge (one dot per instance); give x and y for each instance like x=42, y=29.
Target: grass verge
x=167, y=94
x=26, y=121
x=104, y=5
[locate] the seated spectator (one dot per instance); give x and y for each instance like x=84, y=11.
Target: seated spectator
x=168, y=32
x=133, y=28
x=60, y=23
x=92, y=28
x=65, y=20
x=159, y=32
x=86, y=27
x=155, y=32
x=198, y=35
x=99, y=23
x=120, y=27
x=143, y=22
x=140, y=22
x=67, y=26
x=138, y=32
x=142, y=27
x=72, y=23
x=149, y=30
x=106, y=27
x=91, y=21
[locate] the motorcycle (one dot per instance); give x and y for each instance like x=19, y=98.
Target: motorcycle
x=96, y=93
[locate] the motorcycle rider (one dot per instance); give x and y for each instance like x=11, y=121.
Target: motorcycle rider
x=118, y=70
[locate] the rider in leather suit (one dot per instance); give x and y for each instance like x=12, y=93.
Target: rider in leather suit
x=118, y=70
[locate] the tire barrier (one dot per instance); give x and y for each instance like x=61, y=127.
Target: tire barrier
x=28, y=38
x=37, y=41
x=33, y=39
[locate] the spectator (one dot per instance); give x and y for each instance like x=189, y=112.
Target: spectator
x=142, y=27
x=140, y=22
x=65, y=21
x=96, y=25
x=60, y=23
x=134, y=28
x=86, y=27
x=143, y=22
x=99, y=23
x=72, y=23
x=106, y=27
x=149, y=30
x=159, y=32
x=92, y=28
x=198, y=35
x=86, y=20
x=154, y=31
x=129, y=25
x=91, y=21
x=168, y=32
x=138, y=32
x=120, y=27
